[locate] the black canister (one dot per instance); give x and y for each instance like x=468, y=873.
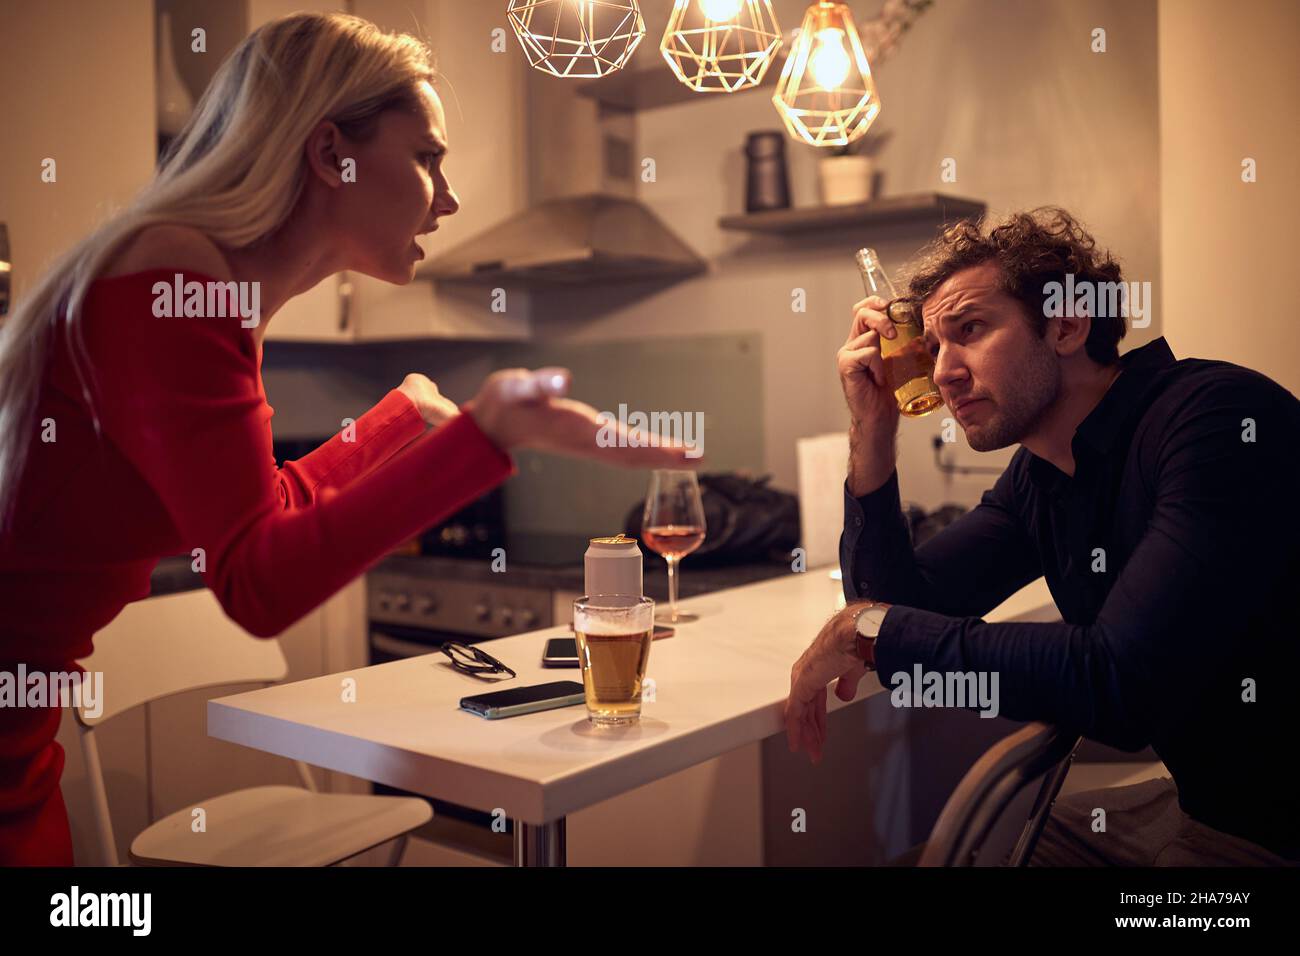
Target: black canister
x=767, y=185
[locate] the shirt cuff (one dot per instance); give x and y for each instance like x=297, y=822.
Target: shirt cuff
x=402, y=415
x=873, y=509
x=908, y=636
x=885, y=500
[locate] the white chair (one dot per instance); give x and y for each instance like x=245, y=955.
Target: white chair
x=257, y=826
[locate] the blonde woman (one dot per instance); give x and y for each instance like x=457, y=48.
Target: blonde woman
x=162, y=441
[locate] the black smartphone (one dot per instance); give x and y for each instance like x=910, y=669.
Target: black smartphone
x=524, y=700
x=561, y=652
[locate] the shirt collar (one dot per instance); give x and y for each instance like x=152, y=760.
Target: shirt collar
x=1105, y=424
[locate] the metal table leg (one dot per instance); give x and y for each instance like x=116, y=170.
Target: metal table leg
x=540, y=844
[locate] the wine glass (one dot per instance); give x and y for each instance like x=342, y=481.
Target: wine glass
x=673, y=526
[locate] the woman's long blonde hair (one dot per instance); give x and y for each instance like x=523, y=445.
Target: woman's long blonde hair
x=235, y=173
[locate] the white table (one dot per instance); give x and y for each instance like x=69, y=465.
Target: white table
x=719, y=683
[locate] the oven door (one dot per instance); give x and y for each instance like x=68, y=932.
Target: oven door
x=395, y=642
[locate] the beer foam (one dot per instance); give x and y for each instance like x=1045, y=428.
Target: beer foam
x=606, y=622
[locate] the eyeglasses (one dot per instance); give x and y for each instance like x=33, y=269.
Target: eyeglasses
x=473, y=661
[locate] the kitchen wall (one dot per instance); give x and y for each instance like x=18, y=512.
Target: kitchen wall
x=103, y=150
x=1225, y=80
x=1028, y=112
x=223, y=33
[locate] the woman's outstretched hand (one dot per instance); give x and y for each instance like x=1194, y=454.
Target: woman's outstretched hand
x=433, y=406
x=519, y=408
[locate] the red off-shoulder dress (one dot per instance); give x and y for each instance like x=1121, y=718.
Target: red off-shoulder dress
x=184, y=461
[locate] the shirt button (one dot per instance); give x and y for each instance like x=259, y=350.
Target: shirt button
x=862, y=587
x=857, y=520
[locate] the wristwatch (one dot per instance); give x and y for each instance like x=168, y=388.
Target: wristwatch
x=866, y=622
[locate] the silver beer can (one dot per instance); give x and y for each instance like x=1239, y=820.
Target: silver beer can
x=613, y=566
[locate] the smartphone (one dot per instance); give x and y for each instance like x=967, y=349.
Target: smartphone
x=524, y=700
x=561, y=652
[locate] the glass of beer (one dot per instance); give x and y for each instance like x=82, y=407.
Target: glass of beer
x=614, y=632
x=909, y=369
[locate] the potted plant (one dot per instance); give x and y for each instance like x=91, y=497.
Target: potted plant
x=846, y=174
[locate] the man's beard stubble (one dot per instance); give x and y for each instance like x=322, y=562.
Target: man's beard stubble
x=1016, y=414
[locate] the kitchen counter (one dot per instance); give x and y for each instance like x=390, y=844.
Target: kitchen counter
x=173, y=574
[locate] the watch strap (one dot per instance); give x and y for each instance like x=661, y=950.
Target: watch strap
x=866, y=649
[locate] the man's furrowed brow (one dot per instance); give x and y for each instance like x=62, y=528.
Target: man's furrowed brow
x=954, y=317
x=928, y=323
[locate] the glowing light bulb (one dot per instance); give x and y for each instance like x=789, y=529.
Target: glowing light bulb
x=829, y=62
x=718, y=10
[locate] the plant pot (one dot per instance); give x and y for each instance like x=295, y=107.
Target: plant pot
x=844, y=179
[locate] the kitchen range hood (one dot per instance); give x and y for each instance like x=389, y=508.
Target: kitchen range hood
x=584, y=223
x=594, y=238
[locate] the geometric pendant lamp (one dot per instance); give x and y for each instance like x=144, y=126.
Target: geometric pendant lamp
x=826, y=95
x=720, y=46
x=577, y=37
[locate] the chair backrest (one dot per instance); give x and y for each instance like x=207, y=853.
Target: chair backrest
x=158, y=647
x=170, y=644
x=998, y=810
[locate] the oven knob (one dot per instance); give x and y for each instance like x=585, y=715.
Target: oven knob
x=425, y=605
x=383, y=600
x=482, y=612
x=527, y=618
x=507, y=616
x=401, y=602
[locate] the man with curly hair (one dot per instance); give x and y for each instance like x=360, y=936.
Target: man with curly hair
x=1131, y=494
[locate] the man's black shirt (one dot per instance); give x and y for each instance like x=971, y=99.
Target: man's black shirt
x=1172, y=555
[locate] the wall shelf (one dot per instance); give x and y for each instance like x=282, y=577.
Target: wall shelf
x=915, y=207
x=647, y=89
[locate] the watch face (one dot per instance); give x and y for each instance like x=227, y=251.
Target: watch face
x=869, y=621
